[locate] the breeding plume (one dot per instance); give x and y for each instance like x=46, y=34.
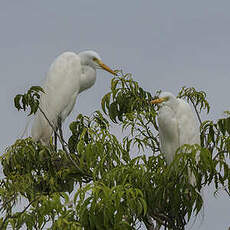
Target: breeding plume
x=177, y=125
x=69, y=75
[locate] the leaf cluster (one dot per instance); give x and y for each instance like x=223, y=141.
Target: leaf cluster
x=116, y=183
x=29, y=99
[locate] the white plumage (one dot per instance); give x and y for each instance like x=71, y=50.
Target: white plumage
x=69, y=75
x=177, y=125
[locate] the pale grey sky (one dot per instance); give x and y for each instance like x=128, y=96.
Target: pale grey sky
x=164, y=44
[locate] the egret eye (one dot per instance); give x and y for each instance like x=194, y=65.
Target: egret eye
x=94, y=59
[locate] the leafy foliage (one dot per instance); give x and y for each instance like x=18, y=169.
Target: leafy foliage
x=198, y=98
x=29, y=99
x=101, y=182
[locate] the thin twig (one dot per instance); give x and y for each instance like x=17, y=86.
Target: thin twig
x=3, y=223
x=31, y=202
x=51, y=125
x=18, y=214
x=197, y=113
x=62, y=142
x=222, y=151
x=5, y=204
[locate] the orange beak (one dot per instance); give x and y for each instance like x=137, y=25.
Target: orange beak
x=157, y=101
x=105, y=67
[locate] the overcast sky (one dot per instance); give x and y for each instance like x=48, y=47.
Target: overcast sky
x=164, y=44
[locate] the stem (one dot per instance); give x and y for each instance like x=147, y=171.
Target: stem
x=223, y=151
x=197, y=113
x=10, y=216
x=62, y=142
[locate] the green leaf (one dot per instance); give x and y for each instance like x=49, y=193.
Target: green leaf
x=17, y=99
x=113, y=112
x=37, y=89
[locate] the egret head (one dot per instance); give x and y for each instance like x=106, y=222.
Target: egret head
x=92, y=59
x=165, y=98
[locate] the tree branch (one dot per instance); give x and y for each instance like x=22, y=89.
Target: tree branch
x=17, y=214
x=197, y=113
x=62, y=142
x=220, y=152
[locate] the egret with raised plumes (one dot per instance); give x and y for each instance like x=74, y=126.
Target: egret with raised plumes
x=69, y=75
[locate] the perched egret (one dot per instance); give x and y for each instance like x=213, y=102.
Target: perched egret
x=69, y=75
x=177, y=125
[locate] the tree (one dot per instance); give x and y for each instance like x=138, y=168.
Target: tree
x=97, y=181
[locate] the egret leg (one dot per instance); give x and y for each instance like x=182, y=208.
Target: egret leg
x=59, y=123
x=55, y=141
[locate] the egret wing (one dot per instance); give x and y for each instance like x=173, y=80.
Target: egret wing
x=188, y=125
x=189, y=130
x=168, y=132
x=61, y=88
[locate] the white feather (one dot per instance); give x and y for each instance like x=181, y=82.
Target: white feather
x=69, y=75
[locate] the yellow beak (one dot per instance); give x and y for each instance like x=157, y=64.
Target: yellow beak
x=105, y=67
x=157, y=101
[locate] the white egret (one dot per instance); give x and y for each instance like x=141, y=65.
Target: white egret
x=177, y=125
x=69, y=75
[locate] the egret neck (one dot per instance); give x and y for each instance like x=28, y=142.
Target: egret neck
x=88, y=68
x=88, y=77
